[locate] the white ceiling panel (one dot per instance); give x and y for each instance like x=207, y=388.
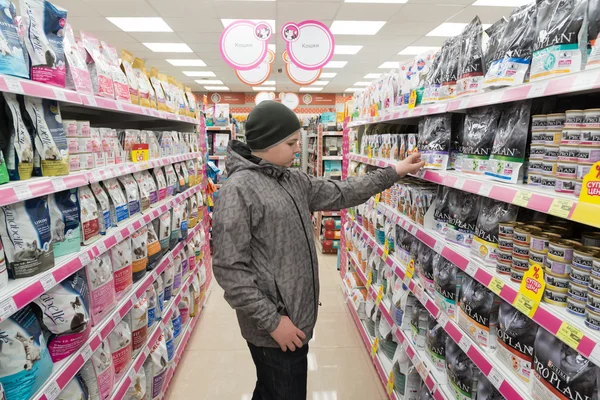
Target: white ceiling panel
x=299, y=11
x=246, y=10
x=129, y=8
x=364, y=12
x=488, y=15
x=156, y=37
x=202, y=10
x=426, y=12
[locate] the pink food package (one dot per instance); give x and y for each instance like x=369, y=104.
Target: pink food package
x=101, y=282
x=78, y=76
x=119, y=79
x=98, y=66
x=99, y=373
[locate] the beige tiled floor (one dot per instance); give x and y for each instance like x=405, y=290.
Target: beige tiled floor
x=217, y=364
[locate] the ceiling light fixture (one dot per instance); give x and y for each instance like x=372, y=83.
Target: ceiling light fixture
x=346, y=49
x=169, y=47
x=372, y=76
x=311, y=89
x=217, y=88
x=137, y=24
x=356, y=27
x=416, y=50
x=390, y=65
x=263, y=88
x=328, y=75
x=199, y=74
x=186, y=63
x=336, y=64
x=209, y=82
x=362, y=83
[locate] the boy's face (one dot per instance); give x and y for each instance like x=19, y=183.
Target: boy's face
x=284, y=153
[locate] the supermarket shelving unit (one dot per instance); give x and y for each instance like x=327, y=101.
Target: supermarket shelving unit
x=565, y=326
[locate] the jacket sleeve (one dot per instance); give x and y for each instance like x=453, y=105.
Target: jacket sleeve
x=327, y=194
x=232, y=263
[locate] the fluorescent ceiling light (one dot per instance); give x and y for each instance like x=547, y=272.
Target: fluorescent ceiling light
x=377, y=1
x=354, y=89
x=169, y=47
x=344, y=49
x=319, y=83
x=502, y=3
x=362, y=83
x=328, y=75
x=311, y=89
x=372, y=76
x=137, y=24
x=390, y=65
x=268, y=83
x=263, y=88
x=356, y=27
x=186, y=63
x=336, y=64
x=449, y=29
x=199, y=74
x=271, y=22
x=416, y=50
x=217, y=88
x=209, y=82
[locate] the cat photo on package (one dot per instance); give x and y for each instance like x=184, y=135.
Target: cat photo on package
x=485, y=243
x=64, y=216
x=19, y=154
x=12, y=54
x=478, y=139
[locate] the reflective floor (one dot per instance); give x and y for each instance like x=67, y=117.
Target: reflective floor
x=217, y=363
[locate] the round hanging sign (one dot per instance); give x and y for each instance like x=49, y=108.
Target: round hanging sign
x=299, y=76
x=309, y=44
x=290, y=100
x=262, y=96
x=257, y=76
x=244, y=44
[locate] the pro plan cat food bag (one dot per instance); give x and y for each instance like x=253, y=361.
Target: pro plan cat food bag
x=470, y=64
x=442, y=209
x=99, y=272
x=139, y=249
x=88, y=216
x=561, y=373
x=463, y=218
x=138, y=321
x=12, y=61
x=450, y=69
x=44, y=32
x=50, y=137
x=172, y=180
x=121, y=257
x=154, y=250
x=478, y=138
x=478, y=312
x=121, y=346
x=131, y=192
x=510, y=143
x=491, y=41
x=132, y=82
x=436, y=345
x=516, y=337
x=593, y=26
x=486, y=390
x=425, y=266
x=99, y=373
x=119, y=210
x=63, y=311
x=19, y=154
x=447, y=285
x=560, y=40
x=156, y=368
x=485, y=243
x=463, y=374
x=434, y=141
x=103, y=207
x=64, y=216
x=25, y=229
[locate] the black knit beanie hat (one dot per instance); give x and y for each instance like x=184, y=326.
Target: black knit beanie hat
x=270, y=123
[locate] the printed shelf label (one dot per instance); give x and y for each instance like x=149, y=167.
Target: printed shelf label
x=496, y=285
x=7, y=308
x=561, y=207
x=569, y=334
x=374, y=347
x=52, y=391
x=390, y=383
x=23, y=192
x=522, y=198
x=379, y=296
x=48, y=282
x=531, y=291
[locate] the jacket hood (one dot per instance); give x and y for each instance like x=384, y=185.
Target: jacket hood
x=239, y=158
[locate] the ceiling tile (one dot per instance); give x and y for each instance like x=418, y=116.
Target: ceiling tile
x=130, y=8
x=195, y=30
x=362, y=12
x=246, y=10
x=415, y=12
x=200, y=9
x=299, y=11
x=156, y=37
x=488, y=15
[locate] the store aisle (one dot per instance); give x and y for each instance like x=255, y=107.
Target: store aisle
x=217, y=363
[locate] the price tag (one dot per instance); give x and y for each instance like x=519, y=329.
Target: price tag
x=59, y=184
x=485, y=189
x=23, y=192
x=377, y=197
x=443, y=319
x=569, y=334
x=48, y=281
x=7, y=308
x=585, y=81
x=537, y=89
x=439, y=246
x=117, y=319
x=522, y=198
x=530, y=291
x=496, y=285
x=374, y=347
x=101, y=247
x=389, y=387
x=118, y=236
x=422, y=370
x=464, y=344
x=495, y=377
x=561, y=207
x=412, y=100
x=92, y=101
x=97, y=176
x=369, y=280
x=86, y=352
x=386, y=250
x=410, y=269
x=460, y=182
x=379, y=296
x=471, y=269
x=60, y=95
x=84, y=258
x=52, y=391
x=14, y=85
x=119, y=106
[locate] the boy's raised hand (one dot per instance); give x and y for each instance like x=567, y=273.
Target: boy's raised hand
x=410, y=165
x=287, y=335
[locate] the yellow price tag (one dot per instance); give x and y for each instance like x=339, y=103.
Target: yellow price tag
x=386, y=250
x=412, y=100
x=530, y=291
x=370, y=152
x=369, y=280
x=569, y=334
x=379, y=296
x=496, y=285
x=390, y=384
x=590, y=190
x=561, y=207
x=374, y=347
x=522, y=198
x=410, y=269
x=377, y=198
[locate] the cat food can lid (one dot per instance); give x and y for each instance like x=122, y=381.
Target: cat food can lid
x=505, y=229
x=592, y=319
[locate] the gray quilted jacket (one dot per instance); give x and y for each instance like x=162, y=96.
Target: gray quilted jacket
x=264, y=252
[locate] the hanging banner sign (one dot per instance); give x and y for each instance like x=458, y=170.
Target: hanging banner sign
x=299, y=76
x=318, y=99
x=244, y=44
x=257, y=76
x=262, y=96
x=227, y=97
x=310, y=44
x=290, y=100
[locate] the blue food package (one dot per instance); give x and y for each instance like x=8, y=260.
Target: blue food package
x=12, y=54
x=64, y=217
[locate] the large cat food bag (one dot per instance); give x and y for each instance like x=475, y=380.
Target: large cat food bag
x=12, y=55
x=121, y=256
x=138, y=322
x=463, y=218
x=99, y=67
x=19, y=154
x=88, y=216
x=99, y=272
x=463, y=374
x=485, y=243
x=78, y=76
x=99, y=373
x=478, y=312
x=127, y=67
x=139, y=249
x=121, y=346
x=64, y=216
x=478, y=138
x=447, y=285
x=119, y=79
x=156, y=368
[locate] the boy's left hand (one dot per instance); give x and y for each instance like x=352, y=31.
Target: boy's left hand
x=410, y=165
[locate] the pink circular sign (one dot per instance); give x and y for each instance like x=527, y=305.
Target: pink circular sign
x=244, y=44
x=309, y=44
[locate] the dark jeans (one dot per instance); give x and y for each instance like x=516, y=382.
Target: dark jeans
x=280, y=375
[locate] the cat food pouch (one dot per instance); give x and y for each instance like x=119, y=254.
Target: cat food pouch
x=184, y=305
x=560, y=41
x=64, y=216
x=447, y=285
x=139, y=240
x=478, y=312
x=513, y=55
x=561, y=373
x=132, y=82
x=88, y=216
x=160, y=296
x=463, y=374
x=470, y=64
x=154, y=249
x=156, y=368
x=25, y=229
x=516, y=336
x=491, y=40
x=99, y=67
x=103, y=207
x=121, y=257
x=118, y=77
x=78, y=76
x=50, y=136
x=478, y=139
x=144, y=190
x=142, y=81
x=44, y=31
x=99, y=373
x=436, y=345
x=158, y=89
x=76, y=389
x=130, y=188
x=99, y=272
x=26, y=361
x=121, y=345
x=161, y=183
x=137, y=387
x=63, y=312
x=138, y=321
x=151, y=299
x=176, y=223
x=177, y=278
x=168, y=275
x=464, y=211
x=12, y=60
x=485, y=243
x=19, y=153
x=119, y=210
x=510, y=143
x=434, y=141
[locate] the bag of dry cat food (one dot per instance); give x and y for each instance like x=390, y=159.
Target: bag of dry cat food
x=142, y=82
x=486, y=390
x=121, y=346
x=185, y=206
x=76, y=389
x=177, y=325
x=137, y=387
x=88, y=216
x=26, y=363
x=162, y=226
x=12, y=61
x=50, y=137
x=138, y=322
x=132, y=82
x=463, y=374
x=160, y=296
x=181, y=186
x=99, y=373
x=121, y=257
x=156, y=368
x=158, y=89
x=470, y=64
x=491, y=40
x=99, y=67
x=447, y=285
x=478, y=312
x=176, y=221
x=99, y=272
x=184, y=172
x=191, y=170
x=151, y=185
x=154, y=250
x=153, y=146
x=169, y=340
x=185, y=305
x=193, y=211
x=434, y=141
x=132, y=194
x=191, y=256
x=172, y=180
x=161, y=183
x=450, y=69
x=119, y=210
x=103, y=206
x=19, y=154
x=436, y=345
x=63, y=312
x=485, y=243
x=25, y=229
x=464, y=211
x=78, y=76
x=144, y=190
x=139, y=249
x=119, y=79
x=478, y=138
x=177, y=278
x=64, y=217
x=167, y=277
x=44, y=32
x=195, y=295
x=151, y=303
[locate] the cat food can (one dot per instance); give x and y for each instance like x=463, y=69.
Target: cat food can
x=577, y=291
x=535, y=166
x=558, y=282
x=588, y=154
x=84, y=145
x=505, y=244
x=570, y=136
x=566, y=170
x=505, y=256
x=591, y=118
x=551, y=152
x=538, y=137
x=561, y=249
x=558, y=267
x=590, y=137
x=516, y=275
x=522, y=234
x=574, y=118
x=582, y=170
x=578, y=187
x=593, y=302
x=555, y=297
x=74, y=163
x=552, y=138
x=592, y=319
x=576, y=307
x=83, y=128
x=594, y=284
x=70, y=127
x=565, y=185
x=503, y=268
x=549, y=168
x=537, y=151
x=549, y=181
x=539, y=242
x=568, y=153
x=596, y=264
x=521, y=250
x=522, y=264
x=555, y=121
x=538, y=122
x=591, y=239
x=73, y=145
x=506, y=229
x=537, y=258
x=86, y=160
x=583, y=256
x=534, y=179
x=579, y=275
